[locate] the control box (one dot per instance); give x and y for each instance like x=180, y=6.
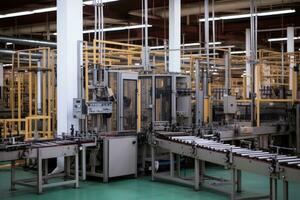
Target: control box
x=79, y=108
x=99, y=107
x=230, y=104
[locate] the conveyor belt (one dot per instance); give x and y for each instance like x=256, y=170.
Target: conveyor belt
x=239, y=151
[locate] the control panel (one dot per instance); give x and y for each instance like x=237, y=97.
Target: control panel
x=79, y=108
x=99, y=107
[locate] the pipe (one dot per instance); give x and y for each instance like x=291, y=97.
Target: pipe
x=10, y=52
x=28, y=42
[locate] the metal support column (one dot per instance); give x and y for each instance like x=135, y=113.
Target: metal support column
x=298, y=129
x=291, y=49
x=253, y=57
x=248, y=67
x=1, y=81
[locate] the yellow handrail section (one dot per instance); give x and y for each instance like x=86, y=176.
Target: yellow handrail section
x=30, y=94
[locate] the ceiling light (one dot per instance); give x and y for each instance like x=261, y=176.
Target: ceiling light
x=8, y=43
x=97, y=1
x=22, y=13
x=7, y=65
x=44, y=10
x=185, y=45
x=261, y=14
x=281, y=39
x=118, y=28
x=238, y=52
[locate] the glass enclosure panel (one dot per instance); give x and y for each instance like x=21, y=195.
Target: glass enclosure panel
x=129, y=105
x=163, y=98
x=146, y=101
x=113, y=84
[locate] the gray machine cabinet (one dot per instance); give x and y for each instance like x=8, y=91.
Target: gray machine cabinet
x=230, y=104
x=122, y=156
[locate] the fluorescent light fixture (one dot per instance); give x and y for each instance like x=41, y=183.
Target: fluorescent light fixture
x=281, y=39
x=97, y=1
x=119, y=28
x=22, y=13
x=7, y=65
x=8, y=43
x=44, y=10
x=261, y=14
x=185, y=45
x=238, y=52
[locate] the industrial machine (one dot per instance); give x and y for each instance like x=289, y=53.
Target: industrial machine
x=165, y=100
x=111, y=117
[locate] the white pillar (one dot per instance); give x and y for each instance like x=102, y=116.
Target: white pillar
x=248, y=67
x=69, y=33
x=174, y=35
x=290, y=49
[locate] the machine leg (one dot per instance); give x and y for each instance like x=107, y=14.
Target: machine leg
x=233, y=182
x=273, y=189
x=40, y=173
x=68, y=166
x=105, y=161
x=46, y=170
x=202, y=171
x=13, y=176
x=197, y=174
x=83, y=163
x=76, y=171
x=144, y=151
x=152, y=162
x=285, y=190
x=178, y=165
x=172, y=164
x=239, y=180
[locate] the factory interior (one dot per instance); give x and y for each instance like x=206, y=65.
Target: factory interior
x=150, y=99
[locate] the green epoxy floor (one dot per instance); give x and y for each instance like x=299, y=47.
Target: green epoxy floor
x=136, y=189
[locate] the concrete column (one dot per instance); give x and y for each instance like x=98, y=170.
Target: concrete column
x=290, y=49
x=174, y=35
x=248, y=67
x=69, y=33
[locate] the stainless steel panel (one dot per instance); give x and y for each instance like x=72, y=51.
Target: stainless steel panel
x=122, y=156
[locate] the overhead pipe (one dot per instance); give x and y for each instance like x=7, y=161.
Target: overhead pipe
x=28, y=42
x=10, y=52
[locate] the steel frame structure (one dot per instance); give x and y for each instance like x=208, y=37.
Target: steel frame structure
x=42, y=151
